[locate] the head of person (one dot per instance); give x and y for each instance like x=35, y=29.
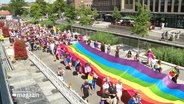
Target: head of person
x=120, y=81
x=149, y=50
x=113, y=85
x=86, y=81
x=137, y=95
x=159, y=62
x=177, y=67
x=107, y=79
x=106, y=91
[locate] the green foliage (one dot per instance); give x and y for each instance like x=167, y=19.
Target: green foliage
x=16, y=7
x=52, y=18
x=85, y=15
x=47, y=23
x=35, y=11
x=64, y=27
x=162, y=19
x=107, y=38
x=116, y=14
x=70, y=14
x=141, y=21
x=25, y=12
x=59, y=7
x=94, y=13
x=5, y=8
x=171, y=55
x=42, y=6
x=33, y=20
x=171, y=38
x=49, y=9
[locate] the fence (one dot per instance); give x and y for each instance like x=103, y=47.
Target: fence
x=69, y=94
x=5, y=95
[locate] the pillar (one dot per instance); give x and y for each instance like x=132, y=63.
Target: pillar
x=153, y=5
x=179, y=6
x=133, y=5
x=159, y=5
x=143, y=3
x=172, y=7
x=122, y=5
x=148, y=4
x=165, y=5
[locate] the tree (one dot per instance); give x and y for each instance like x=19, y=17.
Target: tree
x=94, y=13
x=48, y=9
x=5, y=8
x=59, y=7
x=85, y=15
x=141, y=21
x=52, y=18
x=35, y=11
x=116, y=14
x=16, y=7
x=42, y=5
x=70, y=14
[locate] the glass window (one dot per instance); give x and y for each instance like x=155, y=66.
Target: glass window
x=156, y=5
x=169, y=5
x=151, y=5
x=176, y=5
x=182, y=6
x=162, y=5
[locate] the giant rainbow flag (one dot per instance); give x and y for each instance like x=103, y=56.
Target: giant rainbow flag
x=155, y=88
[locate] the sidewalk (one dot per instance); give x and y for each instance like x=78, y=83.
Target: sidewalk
x=152, y=35
x=30, y=85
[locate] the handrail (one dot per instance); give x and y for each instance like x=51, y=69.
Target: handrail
x=5, y=88
x=68, y=93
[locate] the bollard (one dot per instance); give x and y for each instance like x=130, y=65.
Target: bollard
x=70, y=85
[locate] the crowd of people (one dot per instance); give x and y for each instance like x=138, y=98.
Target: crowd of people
x=53, y=41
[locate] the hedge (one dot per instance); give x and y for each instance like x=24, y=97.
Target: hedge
x=33, y=21
x=107, y=38
x=170, y=54
x=5, y=31
x=20, y=52
x=62, y=27
x=47, y=23
x=1, y=24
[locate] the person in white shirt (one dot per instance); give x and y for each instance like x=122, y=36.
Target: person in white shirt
x=119, y=88
x=106, y=84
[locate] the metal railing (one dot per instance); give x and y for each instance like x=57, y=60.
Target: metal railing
x=66, y=91
x=4, y=66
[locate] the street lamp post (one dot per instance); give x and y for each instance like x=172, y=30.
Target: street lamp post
x=19, y=24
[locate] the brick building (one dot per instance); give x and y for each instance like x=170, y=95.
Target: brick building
x=88, y=3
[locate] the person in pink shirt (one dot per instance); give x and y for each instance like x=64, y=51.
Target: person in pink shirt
x=150, y=56
x=58, y=52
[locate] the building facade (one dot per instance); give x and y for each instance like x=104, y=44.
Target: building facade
x=77, y=3
x=171, y=10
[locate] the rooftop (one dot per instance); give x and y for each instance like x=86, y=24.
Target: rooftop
x=4, y=12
